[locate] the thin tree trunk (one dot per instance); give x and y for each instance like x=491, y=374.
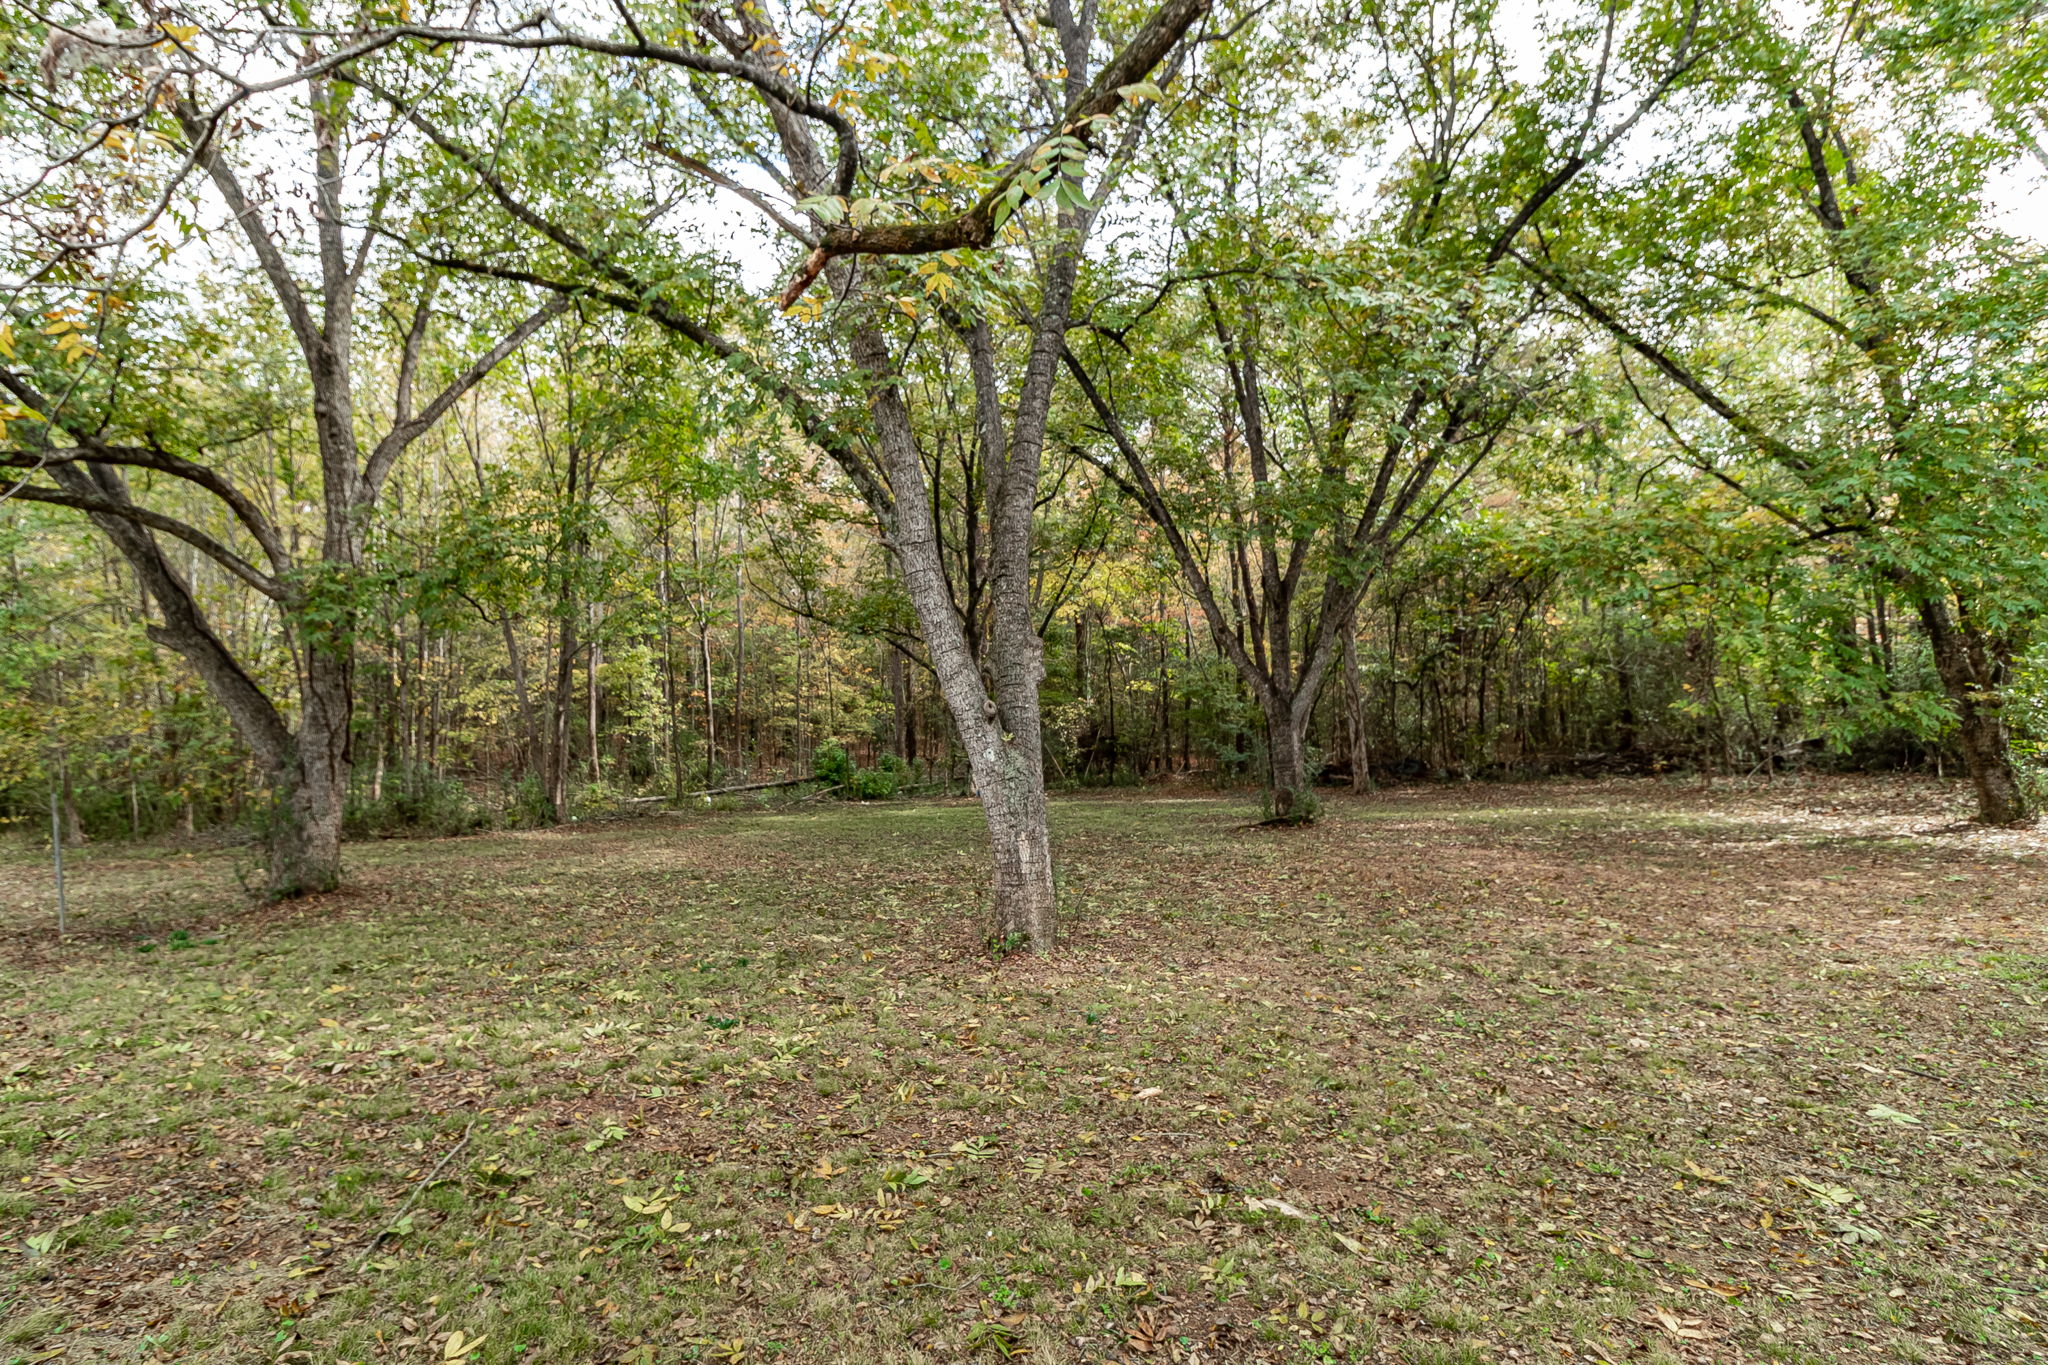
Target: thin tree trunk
x=704, y=657
x=559, y=757
x=529, y=723
x=596, y=661
x=668, y=665
x=739, y=647
x=1354, y=710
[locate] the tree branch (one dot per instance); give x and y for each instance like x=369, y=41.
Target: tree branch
x=93, y=450
x=157, y=521
x=976, y=228
x=404, y=432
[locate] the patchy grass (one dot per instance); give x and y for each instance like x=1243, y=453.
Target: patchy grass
x=1579, y=1072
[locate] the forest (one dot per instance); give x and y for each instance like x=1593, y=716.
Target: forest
x=747, y=579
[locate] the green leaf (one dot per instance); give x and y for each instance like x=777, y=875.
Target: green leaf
x=826, y=208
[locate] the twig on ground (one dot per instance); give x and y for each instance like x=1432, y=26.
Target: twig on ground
x=417, y=1191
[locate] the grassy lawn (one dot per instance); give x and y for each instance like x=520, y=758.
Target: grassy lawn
x=1571, y=1072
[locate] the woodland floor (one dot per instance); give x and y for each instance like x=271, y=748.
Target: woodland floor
x=1563, y=1072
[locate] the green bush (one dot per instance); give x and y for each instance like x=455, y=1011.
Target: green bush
x=833, y=765
x=525, y=805
x=412, y=800
x=836, y=767
x=596, y=798
x=870, y=784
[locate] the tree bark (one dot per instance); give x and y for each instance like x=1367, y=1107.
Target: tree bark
x=1974, y=668
x=559, y=729
x=1003, y=746
x=1354, y=711
x=305, y=825
x=1286, y=762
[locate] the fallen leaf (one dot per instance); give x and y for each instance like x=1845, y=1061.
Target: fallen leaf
x=457, y=1346
x=1685, y=1329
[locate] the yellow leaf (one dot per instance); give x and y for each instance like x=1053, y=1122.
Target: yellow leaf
x=459, y=1346
x=7, y=339
x=330, y=1023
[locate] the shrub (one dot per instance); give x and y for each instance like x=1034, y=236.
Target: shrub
x=597, y=798
x=525, y=805
x=833, y=765
x=412, y=800
x=836, y=767
x=870, y=784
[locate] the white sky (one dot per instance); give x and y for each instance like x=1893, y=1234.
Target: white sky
x=2020, y=199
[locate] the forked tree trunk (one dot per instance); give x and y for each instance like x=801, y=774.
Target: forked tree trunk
x=1002, y=739
x=307, y=773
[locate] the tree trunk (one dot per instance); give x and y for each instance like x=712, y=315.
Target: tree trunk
x=596, y=662
x=1354, y=710
x=529, y=723
x=1286, y=764
x=702, y=605
x=897, y=674
x=74, y=828
x=668, y=666
x=559, y=757
x=1973, y=668
x=739, y=647
x=305, y=844
x=1020, y=850
x=307, y=772
x=1000, y=732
